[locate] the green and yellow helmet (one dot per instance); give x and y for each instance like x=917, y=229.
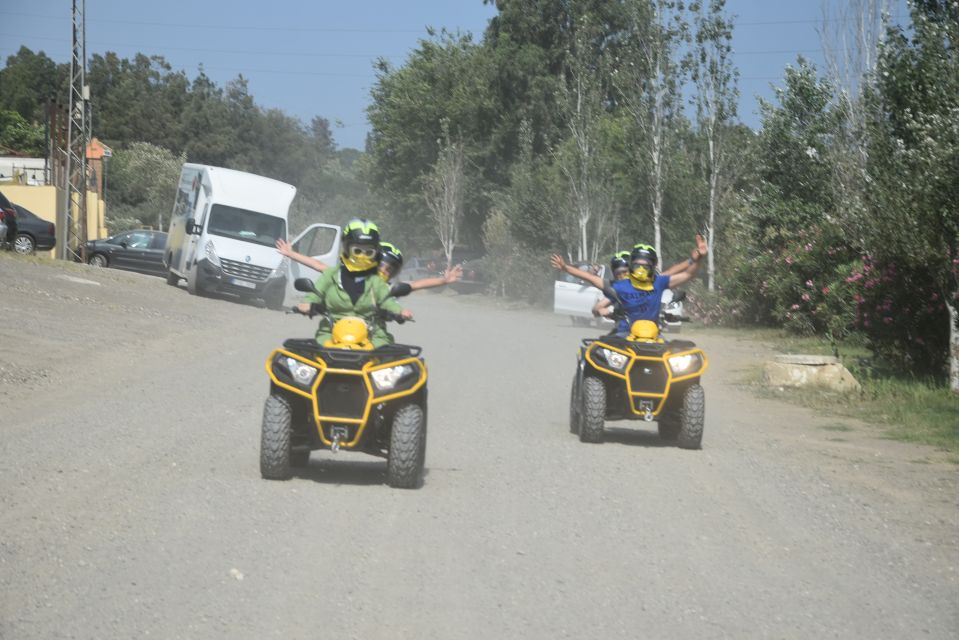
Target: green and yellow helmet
x=644, y=252
x=620, y=260
x=361, y=231
x=392, y=255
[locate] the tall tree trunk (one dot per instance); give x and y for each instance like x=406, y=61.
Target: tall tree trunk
x=711, y=232
x=953, y=347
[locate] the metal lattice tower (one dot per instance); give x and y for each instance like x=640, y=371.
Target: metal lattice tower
x=72, y=221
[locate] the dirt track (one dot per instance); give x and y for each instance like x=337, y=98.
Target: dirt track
x=131, y=502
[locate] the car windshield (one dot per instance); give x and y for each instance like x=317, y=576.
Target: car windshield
x=248, y=226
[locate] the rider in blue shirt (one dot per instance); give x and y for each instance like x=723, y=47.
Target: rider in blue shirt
x=642, y=292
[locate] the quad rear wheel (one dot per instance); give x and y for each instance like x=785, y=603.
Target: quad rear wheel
x=574, y=403
x=593, y=395
x=275, y=438
x=692, y=414
x=404, y=465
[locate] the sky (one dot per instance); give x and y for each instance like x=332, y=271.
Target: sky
x=316, y=57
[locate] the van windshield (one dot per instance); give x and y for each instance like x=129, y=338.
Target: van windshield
x=248, y=226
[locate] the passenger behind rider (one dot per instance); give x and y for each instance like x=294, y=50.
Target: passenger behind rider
x=619, y=267
x=353, y=288
x=390, y=266
x=642, y=291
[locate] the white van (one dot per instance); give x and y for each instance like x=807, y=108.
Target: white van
x=223, y=232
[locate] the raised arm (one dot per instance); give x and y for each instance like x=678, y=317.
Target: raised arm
x=450, y=275
x=696, y=259
x=560, y=264
x=286, y=249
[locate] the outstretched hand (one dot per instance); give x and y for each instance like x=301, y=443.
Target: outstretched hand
x=453, y=274
x=284, y=248
x=557, y=262
x=701, y=248
x=406, y=314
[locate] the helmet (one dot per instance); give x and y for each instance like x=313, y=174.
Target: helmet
x=619, y=260
x=392, y=255
x=361, y=231
x=644, y=331
x=644, y=252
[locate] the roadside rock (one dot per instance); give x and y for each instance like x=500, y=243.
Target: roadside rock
x=795, y=370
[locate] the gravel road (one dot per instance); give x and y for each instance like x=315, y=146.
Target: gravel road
x=131, y=503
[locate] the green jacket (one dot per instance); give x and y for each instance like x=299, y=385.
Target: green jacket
x=376, y=293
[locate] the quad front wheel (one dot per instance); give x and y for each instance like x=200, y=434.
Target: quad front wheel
x=593, y=394
x=275, y=438
x=574, y=403
x=692, y=414
x=404, y=465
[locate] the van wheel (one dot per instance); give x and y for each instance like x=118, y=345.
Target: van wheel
x=593, y=394
x=692, y=414
x=193, y=283
x=404, y=463
x=275, y=438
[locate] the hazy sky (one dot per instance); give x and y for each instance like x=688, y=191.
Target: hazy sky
x=316, y=57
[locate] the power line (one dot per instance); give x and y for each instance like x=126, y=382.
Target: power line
x=181, y=25
x=230, y=51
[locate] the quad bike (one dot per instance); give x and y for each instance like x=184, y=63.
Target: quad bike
x=639, y=377
x=345, y=395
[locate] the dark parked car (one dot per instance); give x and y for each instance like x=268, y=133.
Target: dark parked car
x=8, y=221
x=139, y=250
x=33, y=232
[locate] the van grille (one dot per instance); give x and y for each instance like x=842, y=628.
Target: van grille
x=244, y=270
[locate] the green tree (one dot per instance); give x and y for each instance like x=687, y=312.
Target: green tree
x=28, y=82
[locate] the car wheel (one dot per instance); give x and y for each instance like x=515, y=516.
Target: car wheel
x=98, y=260
x=24, y=244
x=593, y=394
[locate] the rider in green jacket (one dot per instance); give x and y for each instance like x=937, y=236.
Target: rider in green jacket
x=353, y=287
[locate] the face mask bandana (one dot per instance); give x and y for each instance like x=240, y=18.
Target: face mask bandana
x=642, y=277
x=358, y=258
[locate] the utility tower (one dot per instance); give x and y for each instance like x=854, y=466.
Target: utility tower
x=72, y=220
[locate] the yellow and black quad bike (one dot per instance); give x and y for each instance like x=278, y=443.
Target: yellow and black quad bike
x=639, y=377
x=345, y=395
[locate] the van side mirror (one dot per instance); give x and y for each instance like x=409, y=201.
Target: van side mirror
x=305, y=285
x=192, y=228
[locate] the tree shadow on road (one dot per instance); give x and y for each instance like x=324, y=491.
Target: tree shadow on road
x=636, y=437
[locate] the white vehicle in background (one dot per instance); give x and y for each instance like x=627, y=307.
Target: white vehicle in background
x=575, y=298
x=223, y=233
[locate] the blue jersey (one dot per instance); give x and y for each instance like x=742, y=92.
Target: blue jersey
x=638, y=303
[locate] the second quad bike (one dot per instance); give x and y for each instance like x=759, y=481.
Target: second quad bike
x=639, y=377
x=345, y=395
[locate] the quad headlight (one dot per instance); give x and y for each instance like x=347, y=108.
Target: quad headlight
x=386, y=379
x=686, y=363
x=302, y=373
x=615, y=359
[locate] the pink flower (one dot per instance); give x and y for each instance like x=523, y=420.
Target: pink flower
x=808, y=247
x=789, y=260
x=794, y=307
x=809, y=284
x=805, y=297
x=825, y=290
